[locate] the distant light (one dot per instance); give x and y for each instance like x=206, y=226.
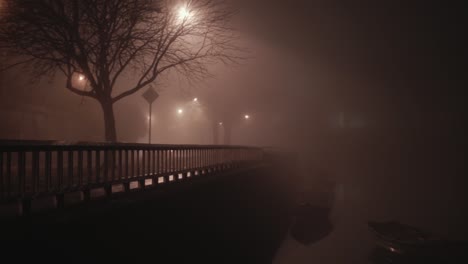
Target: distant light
x=220, y=123
x=195, y=99
x=184, y=14
x=247, y=117
x=81, y=78
x=180, y=111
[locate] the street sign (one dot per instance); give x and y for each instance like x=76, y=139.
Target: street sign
x=150, y=95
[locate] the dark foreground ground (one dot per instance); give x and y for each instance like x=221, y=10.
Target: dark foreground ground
x=233, y=218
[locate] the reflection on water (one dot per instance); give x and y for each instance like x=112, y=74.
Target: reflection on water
x=337, y=234
x=417, y=189
x=311, y=224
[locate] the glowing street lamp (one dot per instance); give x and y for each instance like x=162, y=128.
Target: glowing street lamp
x=184, y=14
x=195, y=99
x=81, y=81
x=247, y=117
x=180, y=111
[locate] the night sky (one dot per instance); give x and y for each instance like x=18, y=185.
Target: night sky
x=390, y=63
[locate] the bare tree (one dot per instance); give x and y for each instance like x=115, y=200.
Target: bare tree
x=105, y=41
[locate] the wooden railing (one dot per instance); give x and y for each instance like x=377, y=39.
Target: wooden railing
x=31, y=169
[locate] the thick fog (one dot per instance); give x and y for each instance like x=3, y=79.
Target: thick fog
x=371, y=94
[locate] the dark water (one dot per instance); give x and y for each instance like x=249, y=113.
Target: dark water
x=419, y=182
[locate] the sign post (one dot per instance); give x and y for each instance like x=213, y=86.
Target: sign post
x=150, y=96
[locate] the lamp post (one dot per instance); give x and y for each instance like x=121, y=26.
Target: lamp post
x=150, y=96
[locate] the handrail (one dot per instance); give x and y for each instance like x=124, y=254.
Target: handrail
x=30, y=169
x=34, y=144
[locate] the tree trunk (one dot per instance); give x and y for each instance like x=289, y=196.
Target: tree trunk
x=109, y=121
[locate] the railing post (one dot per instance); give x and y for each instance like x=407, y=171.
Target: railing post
x=2, y=180
x=143, y=166
x=70, y=168
x=158, y=163
x=138, y=161
x=21, y=173
x=179, y=159
x=126, y=164
x=204, y=156
x=153, y=166
x=132, y=157
x=167, y=161
x=8, y=174
x=197, y=158
x=175, y=161
x=184, y=159
x=148, y=169
x=89, y=164
x=194, y=160
x=35, y=171
x=48, y=170
x=113, y=165
x=172, y=160
x=98, y=165
x=211, y=159
x=190, y=160
x=80, y=168
x=60, y=169
x=120, y=176
x=106, y=165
